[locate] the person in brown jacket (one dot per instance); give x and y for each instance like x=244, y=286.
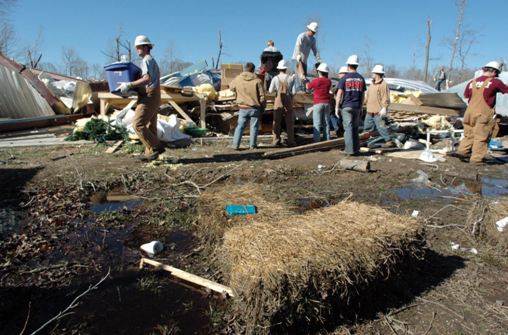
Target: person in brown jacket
x=284, y=85
x=479, y=119
x=377, y=100
x=250, y=97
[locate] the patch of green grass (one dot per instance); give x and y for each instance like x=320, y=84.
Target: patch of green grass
x=151, y=283
x=133, y=148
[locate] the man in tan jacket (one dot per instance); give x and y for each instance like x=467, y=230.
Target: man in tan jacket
x=250, y=97
x=377, y=100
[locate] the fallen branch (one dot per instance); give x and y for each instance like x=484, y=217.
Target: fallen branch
x=27, y=317
x=431, y=323
x=73, y=304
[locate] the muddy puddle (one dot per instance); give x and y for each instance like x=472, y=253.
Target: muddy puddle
x=486, y=187
x=102, y=202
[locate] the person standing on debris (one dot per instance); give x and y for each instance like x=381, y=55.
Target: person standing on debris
x=321, y=108
x=250, y=97
x=348, y=104
x=270, y=57
x=284, y=85
x=305, y=42
x=440, y=78
x=479, y=119
x=377, y=100
x=149, y=99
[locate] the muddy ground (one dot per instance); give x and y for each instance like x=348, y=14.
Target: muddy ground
x=68, y=216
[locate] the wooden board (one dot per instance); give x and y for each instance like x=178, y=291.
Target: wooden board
x=424, y=110
x=188, y=277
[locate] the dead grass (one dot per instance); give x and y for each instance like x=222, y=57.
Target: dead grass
x=293, y=272
x=481, y=223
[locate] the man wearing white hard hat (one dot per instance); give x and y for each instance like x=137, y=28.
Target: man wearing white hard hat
x=284, y=85
x=348, y=104
x=377, y=100
x=305, y=42
x=479, y=119
x=321, y=109
x=149, y=99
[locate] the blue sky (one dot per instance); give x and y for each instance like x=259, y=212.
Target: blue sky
x=394, y=30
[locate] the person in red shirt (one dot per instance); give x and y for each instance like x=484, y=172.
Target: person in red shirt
x=321, y=108
x=479, y=119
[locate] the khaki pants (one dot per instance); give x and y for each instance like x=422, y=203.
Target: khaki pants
x=145, y=120
x=478, y=128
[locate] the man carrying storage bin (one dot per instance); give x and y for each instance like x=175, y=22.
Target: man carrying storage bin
x=149, y=99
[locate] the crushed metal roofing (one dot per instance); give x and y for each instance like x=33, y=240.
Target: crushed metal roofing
x=19, y=99
x=401, y=85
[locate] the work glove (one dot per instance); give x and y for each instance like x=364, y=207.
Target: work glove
x=299, y=58
x=337, y=112
x=382, y=112
x=124, y=87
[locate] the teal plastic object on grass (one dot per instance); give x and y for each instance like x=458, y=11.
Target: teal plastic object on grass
x=233, y=210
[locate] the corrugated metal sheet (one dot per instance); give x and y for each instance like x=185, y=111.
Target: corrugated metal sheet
x=402, y=85
x=501, y=99
x=18, y=99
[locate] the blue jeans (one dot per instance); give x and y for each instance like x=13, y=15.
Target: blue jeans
x=321, y=118
x=245, y=115
x=351, y=121
x=377, y=122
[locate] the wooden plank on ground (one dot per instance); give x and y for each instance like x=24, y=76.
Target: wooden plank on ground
x=325, y=145
x=424, y=110
x=188, y=277
x=114, y=147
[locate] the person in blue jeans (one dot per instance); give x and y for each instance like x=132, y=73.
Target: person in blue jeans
x=321, y=109
x=250, y=97
x=377, y=100
x=349, y=102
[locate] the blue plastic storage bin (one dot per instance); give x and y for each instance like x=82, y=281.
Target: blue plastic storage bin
x=117, y=73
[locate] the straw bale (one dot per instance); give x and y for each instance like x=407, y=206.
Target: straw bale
x=293, y=273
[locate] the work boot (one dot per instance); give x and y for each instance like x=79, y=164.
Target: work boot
x=388, y=144
x=462, y=157
x=153, y=156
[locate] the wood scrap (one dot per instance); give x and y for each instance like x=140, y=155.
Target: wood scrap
x=326, y=145
x=114, y=147
x=180, y=111
x=424, y=110
x=188, y=277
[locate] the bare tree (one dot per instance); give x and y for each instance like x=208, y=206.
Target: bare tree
x=119, y=47
x=454, y=43
x=74, y=65
x=366, y=59
x=170, y=61
x=468, y=38
x=7, y=39
x=391, y=71
x=32, y=52
x=216, y=65
x=427, y=51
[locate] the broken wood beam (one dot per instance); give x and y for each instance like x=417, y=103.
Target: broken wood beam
x=424, y=110
x=188, y=277
x=325, y=145
x=180, y=111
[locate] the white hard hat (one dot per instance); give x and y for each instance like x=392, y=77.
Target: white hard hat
x=323, y=67
x=493, y=65
x=313, y=26
x=352, y=60
x=379, y=69
x=142, y=40
x=283, y=65
x=343, y=69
